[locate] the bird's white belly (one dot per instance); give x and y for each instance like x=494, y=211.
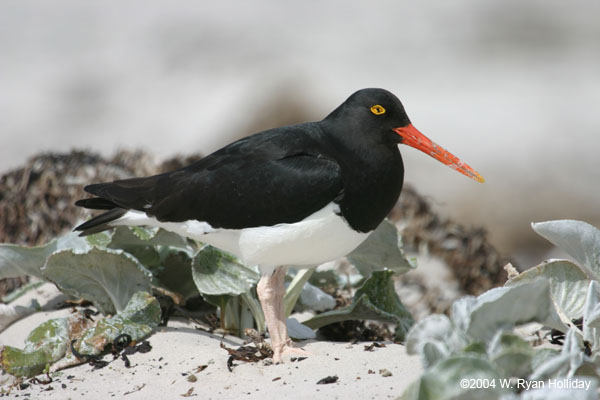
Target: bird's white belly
x=321, y=237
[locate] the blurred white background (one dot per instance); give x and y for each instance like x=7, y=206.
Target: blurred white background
x=511, y=87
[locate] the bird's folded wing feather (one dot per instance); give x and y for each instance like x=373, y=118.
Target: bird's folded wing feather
x=235, y=187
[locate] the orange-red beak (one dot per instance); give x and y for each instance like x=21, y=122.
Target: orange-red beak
x=412, y=137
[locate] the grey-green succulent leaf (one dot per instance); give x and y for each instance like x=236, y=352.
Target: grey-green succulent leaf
x=431, y=338
x=382, y=294
x=16, y=260
x=127, y=237
x=437, y=336
x=360, y=309
x=174, y=272
x=218, y=273
x=100, y=239
x=381, y=250
x=554, y=293
x=316, y=299
x=138, y=319
x=47, y=347
x=461, y=312
x=568, y=286
x=511, y=355
x=236, y=312
x=578, y=239
x=252, y=303
x=591, y=317
x=483, y=325
x=445, y=380
x=108, y=278
x=298, y=330
x=166, y=255
x=13, y=312
x=506, y=307
x=295, y=288
x=375, y=300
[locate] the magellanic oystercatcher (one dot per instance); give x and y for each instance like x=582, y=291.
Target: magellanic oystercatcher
x=298, y=195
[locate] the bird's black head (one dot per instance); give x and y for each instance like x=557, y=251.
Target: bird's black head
x=371, y=113
x=375, y=117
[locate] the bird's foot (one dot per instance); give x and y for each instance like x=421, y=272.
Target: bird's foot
x=287, y=348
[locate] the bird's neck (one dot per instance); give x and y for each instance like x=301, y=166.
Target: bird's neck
x=372, y=175
x=371, y=190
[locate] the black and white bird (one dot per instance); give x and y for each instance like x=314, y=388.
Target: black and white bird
x=297, y=195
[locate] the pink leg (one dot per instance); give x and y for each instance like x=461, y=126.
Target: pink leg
x=271, y=290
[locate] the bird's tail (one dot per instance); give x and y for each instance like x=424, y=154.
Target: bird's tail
x=101, y=222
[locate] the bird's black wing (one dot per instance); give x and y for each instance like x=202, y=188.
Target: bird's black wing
x=266, y=179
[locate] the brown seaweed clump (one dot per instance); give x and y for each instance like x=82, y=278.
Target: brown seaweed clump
x=474, y=261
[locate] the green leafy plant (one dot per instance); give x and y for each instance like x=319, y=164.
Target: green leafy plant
x=478, y=343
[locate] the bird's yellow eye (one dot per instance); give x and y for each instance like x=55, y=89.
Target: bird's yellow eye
x=377, y=109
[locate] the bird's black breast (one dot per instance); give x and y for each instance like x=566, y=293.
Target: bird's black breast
x=372, y=185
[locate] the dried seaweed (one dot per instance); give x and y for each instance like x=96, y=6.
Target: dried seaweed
x=372, y=346
x=260, y=351
x=475, y=263
x=36, y=201
x=328, y=379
